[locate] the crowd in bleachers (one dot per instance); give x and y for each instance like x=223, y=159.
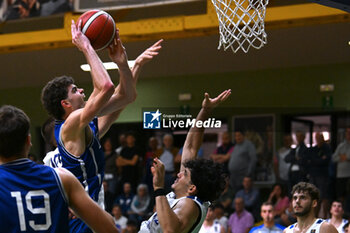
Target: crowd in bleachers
x=129, y=191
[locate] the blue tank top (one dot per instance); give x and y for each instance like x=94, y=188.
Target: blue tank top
x=32, y=198
x=88, y=168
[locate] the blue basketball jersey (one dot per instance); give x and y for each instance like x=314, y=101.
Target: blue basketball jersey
x=32, y=198
x=88, y=168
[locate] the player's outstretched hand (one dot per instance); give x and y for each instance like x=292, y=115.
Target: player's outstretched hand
x=149, y=53
x=158, y=172
x=117, y=51
x=210, y=103
x=78, y=38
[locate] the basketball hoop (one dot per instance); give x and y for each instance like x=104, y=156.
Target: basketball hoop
x=241, y=23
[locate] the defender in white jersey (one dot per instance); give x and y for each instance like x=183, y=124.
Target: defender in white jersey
x=198, y=182
x=210, y=224
x=337, y=213
x=305, y=198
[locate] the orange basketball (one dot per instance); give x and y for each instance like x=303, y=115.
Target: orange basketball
x=99, y=27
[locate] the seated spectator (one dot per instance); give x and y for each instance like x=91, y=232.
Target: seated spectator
x=152, y=152
x=220, y=215
x=222, y=153
x=109, y=197
x=268, y=216
x=167, y=158
x=210, y=224
x=131, y=227
x=125, y=199
x=140, y=204
x=337, y=219
x=279, y=199
x=287, y=218
x=119, y=219
x=250, y=196
x=226, y=197
x=241, y=220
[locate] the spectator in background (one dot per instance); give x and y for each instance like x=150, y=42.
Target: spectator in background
x=298, y=158
x=124, y=200
x=280, y=166
x=119, y=220
x=268, y=216
x=140, y=204
x=241, y=220
x=337, y=219
x=128, y=161
x=251, y=197
x=131, y=227
x=320, y=157
x=111, y=170
x=279, y=199
x=109, y=197
x=210, y=224
x=226, y=197
x=177, y=160
x=122, y=143
x=167, y=158
x=242, y=161
x=152, y=152
x=342, y=157
x=287, y=218
x=222, y=153
x=220, y=216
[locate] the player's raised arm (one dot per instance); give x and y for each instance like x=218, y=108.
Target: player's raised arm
x=103, y=87
x=84, y=207
x=195, y=135
x=118, y=55
x=145, y=57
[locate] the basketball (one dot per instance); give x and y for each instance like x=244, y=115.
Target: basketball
x=99, y=27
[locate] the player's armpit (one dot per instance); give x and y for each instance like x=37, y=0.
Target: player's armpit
x=83, y=206
x=187, y=212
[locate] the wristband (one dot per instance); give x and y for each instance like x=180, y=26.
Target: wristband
x=159, y=192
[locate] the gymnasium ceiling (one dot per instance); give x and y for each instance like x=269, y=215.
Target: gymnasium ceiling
x=299, y=34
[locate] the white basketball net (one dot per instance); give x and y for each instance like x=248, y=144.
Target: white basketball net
x=241, y=23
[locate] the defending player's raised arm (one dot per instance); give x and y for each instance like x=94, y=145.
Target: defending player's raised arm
x=103, y=87
x=195, y=135
x=145, y=57
x=83, y=206
x=122, y=89
x=178, y=220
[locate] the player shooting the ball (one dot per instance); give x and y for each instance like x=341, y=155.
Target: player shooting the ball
x=79, y=123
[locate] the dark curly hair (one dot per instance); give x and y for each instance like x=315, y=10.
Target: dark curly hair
x=208, y=177
x=307, y=188
x=52, y=94
x=14, y=130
